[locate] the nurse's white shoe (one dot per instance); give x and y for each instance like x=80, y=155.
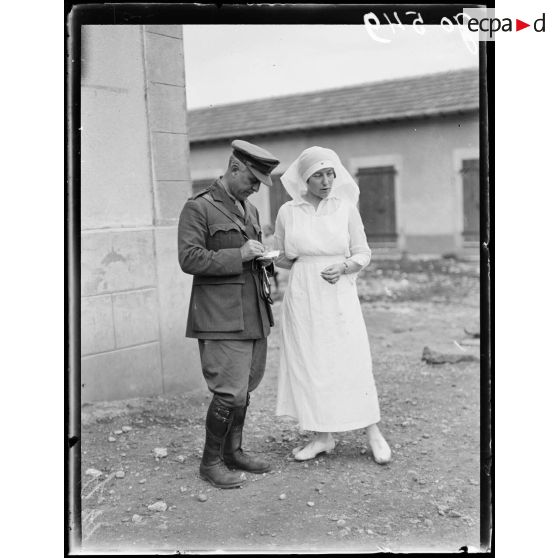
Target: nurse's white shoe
x=380, y=448
x=323, y=442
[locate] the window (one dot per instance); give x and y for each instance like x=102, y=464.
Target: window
x=277, y=197
x=471, y=199
x=377, y=203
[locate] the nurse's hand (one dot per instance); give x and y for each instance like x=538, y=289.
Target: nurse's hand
x=332, y=273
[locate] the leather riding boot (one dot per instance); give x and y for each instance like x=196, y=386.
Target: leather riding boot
x=234, y=456
x=212, y=467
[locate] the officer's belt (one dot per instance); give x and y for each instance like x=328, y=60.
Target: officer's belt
x=250, y=266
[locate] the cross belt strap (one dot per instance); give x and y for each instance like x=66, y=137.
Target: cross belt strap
x=265, y=285
x=232, y=218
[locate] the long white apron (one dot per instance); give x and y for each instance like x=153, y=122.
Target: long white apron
x=325, y=368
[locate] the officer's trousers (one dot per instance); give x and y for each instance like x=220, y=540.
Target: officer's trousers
x=232, y=367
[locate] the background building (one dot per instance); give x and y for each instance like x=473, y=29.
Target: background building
x=412, y=144
x=134, y=181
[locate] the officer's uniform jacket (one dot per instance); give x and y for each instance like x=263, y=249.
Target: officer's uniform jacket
x=226, y=300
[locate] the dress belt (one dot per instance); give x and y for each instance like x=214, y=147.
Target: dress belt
x=338, y=258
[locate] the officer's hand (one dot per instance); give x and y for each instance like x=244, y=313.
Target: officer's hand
x=251, y=249
x=268, y=258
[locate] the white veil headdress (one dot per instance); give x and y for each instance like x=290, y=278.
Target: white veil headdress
x=311, y=160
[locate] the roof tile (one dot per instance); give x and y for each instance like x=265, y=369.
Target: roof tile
x=432, y=94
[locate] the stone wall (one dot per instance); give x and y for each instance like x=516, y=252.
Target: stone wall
x=135, y=179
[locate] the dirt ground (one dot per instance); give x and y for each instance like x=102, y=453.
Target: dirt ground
x=426, y=499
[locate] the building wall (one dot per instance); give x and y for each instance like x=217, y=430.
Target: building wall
x=425, y=152
x=135, y=178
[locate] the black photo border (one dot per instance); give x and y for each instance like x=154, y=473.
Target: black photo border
x=146, y=13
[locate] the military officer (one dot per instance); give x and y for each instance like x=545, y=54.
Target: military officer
x=219, y=243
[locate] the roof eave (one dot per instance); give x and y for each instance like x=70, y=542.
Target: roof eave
x=327, y=125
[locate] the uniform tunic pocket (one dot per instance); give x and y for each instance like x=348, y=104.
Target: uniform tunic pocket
x=217, y=305
x=224, y=235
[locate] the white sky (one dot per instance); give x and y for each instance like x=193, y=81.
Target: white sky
x=231, y=63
